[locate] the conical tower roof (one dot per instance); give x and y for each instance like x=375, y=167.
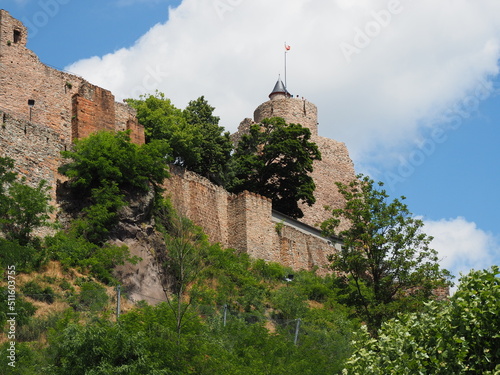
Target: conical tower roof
x=279, y=89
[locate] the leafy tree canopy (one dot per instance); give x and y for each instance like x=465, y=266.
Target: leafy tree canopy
x=102, y=169
x=22, y=208
x=274, y=159
x=106, y=158
x=386, y=262
x=456, y=337
x=196, y=140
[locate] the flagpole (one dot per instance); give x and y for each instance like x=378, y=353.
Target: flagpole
x=286, y=86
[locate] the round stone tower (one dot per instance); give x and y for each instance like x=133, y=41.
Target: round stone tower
x=293, y=110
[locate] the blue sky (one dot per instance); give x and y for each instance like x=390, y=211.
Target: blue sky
x=411, y=87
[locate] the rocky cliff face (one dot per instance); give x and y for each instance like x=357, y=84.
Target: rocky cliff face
x=136, y=230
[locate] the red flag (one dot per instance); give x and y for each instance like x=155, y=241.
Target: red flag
x=287, y=47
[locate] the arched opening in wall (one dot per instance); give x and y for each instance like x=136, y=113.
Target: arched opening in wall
x=17, y=36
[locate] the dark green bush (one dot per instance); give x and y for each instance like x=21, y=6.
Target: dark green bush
x=92, y=297
x=33, y=290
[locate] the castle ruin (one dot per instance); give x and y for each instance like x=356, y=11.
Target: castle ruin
x=43, y=110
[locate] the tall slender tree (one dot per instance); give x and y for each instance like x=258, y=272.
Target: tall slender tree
x=386, y=263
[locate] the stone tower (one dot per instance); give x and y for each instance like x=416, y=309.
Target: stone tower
x=335, y=166
x=293, y=110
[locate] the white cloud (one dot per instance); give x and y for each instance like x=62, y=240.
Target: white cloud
x=462, y=246
x=423, y=57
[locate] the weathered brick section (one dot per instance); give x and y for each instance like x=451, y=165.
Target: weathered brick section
x=34, y=148
x=93, y=110
x=64, y=102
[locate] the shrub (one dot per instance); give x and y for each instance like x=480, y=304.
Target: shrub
x=33, y=290
x=92, y=297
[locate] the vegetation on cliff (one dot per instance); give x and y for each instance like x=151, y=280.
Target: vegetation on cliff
x=224, y=312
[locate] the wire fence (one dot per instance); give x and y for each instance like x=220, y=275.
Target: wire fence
x=97, y=301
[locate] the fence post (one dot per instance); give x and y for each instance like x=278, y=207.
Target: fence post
x=118, y=300
x=225, y=314
x=297, y=332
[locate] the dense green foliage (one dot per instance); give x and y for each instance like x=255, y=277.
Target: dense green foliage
x=106, y=158
x=103, y=168
x=242, y=319
x=196, y=140
x=274, y=160
x=385, y=257
x=460, y=336
x=22, y=208
x=77, y=252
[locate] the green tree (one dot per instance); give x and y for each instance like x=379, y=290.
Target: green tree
x=386, y=264
x=274, y=160
x=460, y=336
x=183, y=261
x=196, y=140
x=7, y=175
x=106, y=158
x=22, y=208
x=160, y=118
x=103, y=168
x=215, y=147
x=25, y=209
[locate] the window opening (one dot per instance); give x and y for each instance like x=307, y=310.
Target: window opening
x=17, y=36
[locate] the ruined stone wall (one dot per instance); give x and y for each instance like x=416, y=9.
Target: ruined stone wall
x=299, y=250
x=250, y=216
x=64, y=102
x=335, y=166
x=201, y=201
x=34, y=148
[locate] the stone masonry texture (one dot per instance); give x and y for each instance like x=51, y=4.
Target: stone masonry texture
x=44, y=110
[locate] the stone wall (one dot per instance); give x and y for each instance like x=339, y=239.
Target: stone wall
x=62, y=101
x=245, y=222
x=294, y=111
x=301, y=250
x=34, y=148
x=335, y=166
